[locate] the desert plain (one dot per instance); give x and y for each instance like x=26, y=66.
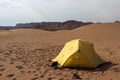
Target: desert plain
x=26, y=54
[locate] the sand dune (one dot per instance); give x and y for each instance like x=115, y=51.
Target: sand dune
x=26, y=54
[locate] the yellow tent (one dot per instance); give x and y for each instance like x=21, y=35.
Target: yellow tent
x=78, y=53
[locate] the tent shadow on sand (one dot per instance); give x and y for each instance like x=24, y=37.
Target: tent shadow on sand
x=102, y=67
x=105, y=66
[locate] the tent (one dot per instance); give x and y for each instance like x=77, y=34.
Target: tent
x=78, y=53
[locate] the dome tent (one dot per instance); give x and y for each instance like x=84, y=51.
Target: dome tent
x=78, y=53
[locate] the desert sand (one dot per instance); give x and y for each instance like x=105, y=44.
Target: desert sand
x=26, y=54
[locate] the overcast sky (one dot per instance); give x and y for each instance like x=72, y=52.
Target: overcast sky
x=18, y=11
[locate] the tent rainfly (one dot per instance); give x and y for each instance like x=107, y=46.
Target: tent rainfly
x=78, y=53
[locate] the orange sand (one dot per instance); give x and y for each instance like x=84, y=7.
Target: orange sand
x=26, y=54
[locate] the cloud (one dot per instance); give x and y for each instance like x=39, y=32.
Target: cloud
x=14, y=11
x=5, y=3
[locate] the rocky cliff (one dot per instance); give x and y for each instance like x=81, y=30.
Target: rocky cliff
x=53, y=26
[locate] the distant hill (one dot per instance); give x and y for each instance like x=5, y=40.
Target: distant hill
x=53, y=26
x=6, y=27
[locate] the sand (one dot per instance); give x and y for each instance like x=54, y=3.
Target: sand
x=26, y=54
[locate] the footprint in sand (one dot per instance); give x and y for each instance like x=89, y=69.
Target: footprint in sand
x=2, y=70
x=76, y=76
x=22, y=72
x=10, y=75
x=19, y=67
x=1, y=65
x=11, y=62
x=14, y=79
x=41, y=76
x=49, y=78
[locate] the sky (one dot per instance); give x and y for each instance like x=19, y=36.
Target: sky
x=23, y=11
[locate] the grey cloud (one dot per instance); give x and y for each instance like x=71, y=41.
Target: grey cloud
x=6, y=3
x=58, y=10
